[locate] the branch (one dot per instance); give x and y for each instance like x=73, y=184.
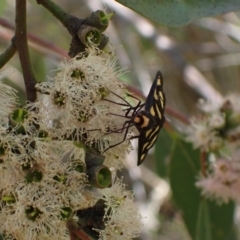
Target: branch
x=81, y=29
x=22, y=47
x=72, y=23
x=7, y=55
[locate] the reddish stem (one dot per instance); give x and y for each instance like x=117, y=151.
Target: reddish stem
x=171, y=112
x=76, y=232
x=35, y=39
x=181, y=117
x=203, y=163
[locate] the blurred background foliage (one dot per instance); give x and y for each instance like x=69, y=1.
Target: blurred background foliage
x=199, y=60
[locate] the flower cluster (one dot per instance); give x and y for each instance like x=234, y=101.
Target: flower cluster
x=223, y=182
x=218, y=132
x=44, y=161
x=122, y=218
x=218, y=127
x=75, y=100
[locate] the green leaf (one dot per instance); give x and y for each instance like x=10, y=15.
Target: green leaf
x=204, y=219
x=203, y=231
x=39, y=65
x=233, y=235
x=163, y=148
x=214, y=221
x=180, y=12
x=221, y=219
x=184, y=168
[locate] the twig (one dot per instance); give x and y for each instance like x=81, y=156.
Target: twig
x=22, y=47
x=58, y=12
x=72, y=23
x=7, y=55
x=80, y=29
x=203, y=162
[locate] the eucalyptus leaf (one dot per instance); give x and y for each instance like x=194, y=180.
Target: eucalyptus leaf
x=163, y=148
x=221, y=219
x=203, y=231
x=204, y=219
x=178, y=12
x=183, y=170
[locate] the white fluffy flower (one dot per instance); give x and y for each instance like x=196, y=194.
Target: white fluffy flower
x=218, y=126
x=36, y=212
x=202, y=135
x=9, y=100
x=223, y=183
x=75, y=99
x=217, y=120
x=42, y=154
x=122, y=220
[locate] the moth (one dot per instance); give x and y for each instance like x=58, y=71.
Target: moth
x=147, y=117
